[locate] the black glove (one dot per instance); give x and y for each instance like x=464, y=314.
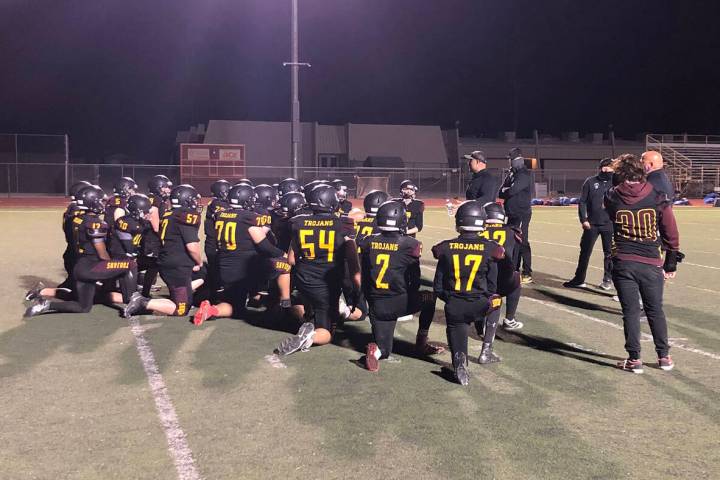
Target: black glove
x=672, y=258
x=353, y=299
x=285, y=303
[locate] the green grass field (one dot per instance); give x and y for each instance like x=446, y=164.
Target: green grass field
x=76, y=402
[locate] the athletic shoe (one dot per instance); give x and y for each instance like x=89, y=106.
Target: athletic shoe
x=461, y=373
x=204, y=312
x=606, y=285
x=371, y=361
x=422, y=346
x=574, y=284
x=525, y=279
x=298, y=342
x=512, y=324
x=41, y=306
x=136, y=305
x=666, y=363
x=630, y=365
x=405, y=318
x=34, y=292
x=487, y=355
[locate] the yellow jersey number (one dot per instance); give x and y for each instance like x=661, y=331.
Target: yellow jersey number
x=163, y=229
x=498, y=235
x=383, y=259
x=226, y=232
x=325, y=241
x=472, y=261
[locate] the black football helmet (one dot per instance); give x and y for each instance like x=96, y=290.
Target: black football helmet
x=266, y=196
x=373, y=200
x=242, y=196
x=245, y=181
x=291, y=203
x=405, y=188
x=391, y=217
x=125, y=187
x=185, y=196
x=160, y=185
x=76, y=187
x=470, y=217
x=288, y=185
x=323, y=198
x=91, y=198
x=138, y=205
x=220, y=189
x=495, y=211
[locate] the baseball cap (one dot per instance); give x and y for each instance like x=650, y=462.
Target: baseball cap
x=478, y=155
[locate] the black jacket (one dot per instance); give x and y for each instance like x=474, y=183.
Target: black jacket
x=516, y=191
x=482, y=187
x=590, y=206
x=660, y=181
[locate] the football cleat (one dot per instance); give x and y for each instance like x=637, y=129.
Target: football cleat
x=487, y=355
x=301, y=341
x=631, y=365
x=512, y=324
x=135, y=305
x=371, y=361
x=461, y=372
x=422, y=346
x=34, y=292
x=606, y=285
x=205, y=311
x=405, y=318
x=525, y=279
x=574, y=284
x=666, y=363
x=41, y=306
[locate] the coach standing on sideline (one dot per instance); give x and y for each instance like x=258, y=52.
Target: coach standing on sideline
x=595, y=222
x=656, y=175
x=516, y=191
x=483, y=185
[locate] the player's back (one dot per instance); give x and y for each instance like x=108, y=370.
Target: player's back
x=233, y=235
x=126, y=237
x=503, y=235
x=317, y=241
x=69, y=215
x=113, y=203
x=178, y=227
x=465, y=263
x=386, y=260
x=90, y=229
x=364, y=227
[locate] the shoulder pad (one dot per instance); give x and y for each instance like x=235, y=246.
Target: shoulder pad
x=187, y=218
x=262, y=220
x=97, y=229
x=437, y=250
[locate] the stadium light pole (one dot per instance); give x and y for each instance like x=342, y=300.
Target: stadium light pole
x=294, y=65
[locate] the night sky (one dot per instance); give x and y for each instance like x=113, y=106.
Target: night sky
x=124, y=76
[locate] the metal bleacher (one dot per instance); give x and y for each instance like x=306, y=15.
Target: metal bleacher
x=691, y=161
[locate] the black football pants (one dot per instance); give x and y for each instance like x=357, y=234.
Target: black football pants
x=634, y=280
x=384, y=312
x=459, y=314
x=87, y=272
x=522, y=221
x=587, y=242
x=150, y=266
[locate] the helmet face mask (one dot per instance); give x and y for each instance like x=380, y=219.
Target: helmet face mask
x=341, y=189
x=408, y=190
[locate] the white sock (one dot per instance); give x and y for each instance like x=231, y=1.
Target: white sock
x=377, y=354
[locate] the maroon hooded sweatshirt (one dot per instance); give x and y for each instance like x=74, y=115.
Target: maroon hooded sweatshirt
x=643, y=223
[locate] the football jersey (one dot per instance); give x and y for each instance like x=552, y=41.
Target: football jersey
x=178, y=227
x=211, y=212
x=113, y=203
x=69, y=214
x=91, y=229
x=365, y=227
x=126, y=237
x=414, y=212
x=151, y=243
x=504, y=235
x=389, y=264
x=318, y=242
x=233, y=236
x=281, y=231
x=464, y=266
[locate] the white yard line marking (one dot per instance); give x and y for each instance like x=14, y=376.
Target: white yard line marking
x=644, y=336
x=176, y=438
x=52, y=210
x=274, y=361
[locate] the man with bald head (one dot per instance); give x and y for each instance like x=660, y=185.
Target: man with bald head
x=656, y=175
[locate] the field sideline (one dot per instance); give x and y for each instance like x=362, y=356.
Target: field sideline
x=77, y=402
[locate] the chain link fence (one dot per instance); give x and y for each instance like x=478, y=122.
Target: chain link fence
x=50, y=178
